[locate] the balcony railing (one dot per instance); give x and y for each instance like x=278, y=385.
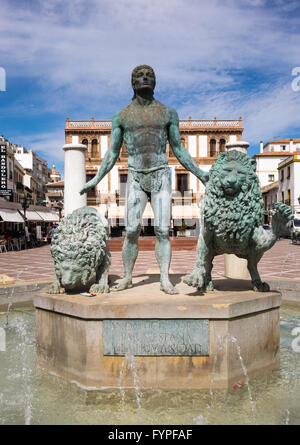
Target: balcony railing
x=184, y=124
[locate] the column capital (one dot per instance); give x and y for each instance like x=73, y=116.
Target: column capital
x=74, y=147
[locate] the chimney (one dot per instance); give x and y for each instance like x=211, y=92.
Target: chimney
x=261, y=147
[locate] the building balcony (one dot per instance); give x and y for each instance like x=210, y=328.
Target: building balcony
x=55, y=195
x=188, y=124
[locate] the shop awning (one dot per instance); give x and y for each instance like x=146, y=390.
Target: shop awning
x=185, y=211
x=11, y=215
x=31, y=215
x=48, y=216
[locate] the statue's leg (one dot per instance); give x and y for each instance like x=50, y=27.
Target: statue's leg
x=55, y=287
x=258, y=285
x=136, y=201
x=101, y=286
x=201, y=274
x=161, y=205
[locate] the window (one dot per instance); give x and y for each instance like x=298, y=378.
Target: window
x=271, y=178
x=283, y=147
x=212, y=148
x=94, y=148
x=282, y=197
x=282, y=175
x=288, y=173
x=91, y=192
x=289, y=197
x=182, y=182
x=123, y=182
x=222, y=145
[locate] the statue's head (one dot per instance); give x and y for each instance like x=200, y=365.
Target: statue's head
x=234, y=172
x=233, y=204
x=232, y=177
x=79, y=247
x=143, y=78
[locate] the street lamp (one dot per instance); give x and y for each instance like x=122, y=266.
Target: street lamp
x=25, y=202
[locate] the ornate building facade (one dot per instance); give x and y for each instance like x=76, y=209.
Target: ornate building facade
x=204, y=139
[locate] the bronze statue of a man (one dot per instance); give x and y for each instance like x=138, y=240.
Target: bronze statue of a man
x=145, y=126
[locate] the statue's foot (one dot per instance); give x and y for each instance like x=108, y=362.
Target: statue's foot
x=125, y=283
x=209, y=287
x=195, y=279
x=55, y=288
x=99, y=288
x=168, y=288
x=259, y=286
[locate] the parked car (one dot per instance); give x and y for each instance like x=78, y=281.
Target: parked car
x=292, y=229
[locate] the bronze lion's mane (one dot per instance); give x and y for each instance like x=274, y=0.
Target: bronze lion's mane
x=233, y=217
x=80, y=237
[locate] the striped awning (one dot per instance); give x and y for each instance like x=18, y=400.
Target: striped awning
x=10, y=215
x=31, y=215
x=48, y=216
x=190, y=211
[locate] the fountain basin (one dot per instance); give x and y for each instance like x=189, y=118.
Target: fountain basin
x=190, y=340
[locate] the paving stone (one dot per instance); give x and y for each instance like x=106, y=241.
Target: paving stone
x=282, y=261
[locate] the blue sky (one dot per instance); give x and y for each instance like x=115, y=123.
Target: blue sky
x=223, y=58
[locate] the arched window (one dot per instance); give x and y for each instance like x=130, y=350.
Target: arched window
x=222, y=145
x=85, y=142
x=212, y=148
x=94, y=148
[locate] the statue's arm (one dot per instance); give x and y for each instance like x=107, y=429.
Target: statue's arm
x=116, y=138
x=180, y=152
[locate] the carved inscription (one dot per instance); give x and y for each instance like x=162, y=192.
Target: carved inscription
x=156, y=337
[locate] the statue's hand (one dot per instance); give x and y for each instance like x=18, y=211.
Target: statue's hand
x=203, y=176
x=84, y=189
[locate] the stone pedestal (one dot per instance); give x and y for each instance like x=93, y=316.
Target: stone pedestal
x=190, y=340
x=75, y=177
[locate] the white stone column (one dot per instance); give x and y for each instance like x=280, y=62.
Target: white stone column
x=236, y=267
x=238, y=145
x=75, y=177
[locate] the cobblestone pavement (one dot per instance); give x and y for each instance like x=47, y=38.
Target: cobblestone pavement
x=282, y=262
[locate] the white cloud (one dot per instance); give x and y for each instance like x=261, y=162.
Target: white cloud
x=90, y=47
x=47, y=145
x=80, y=54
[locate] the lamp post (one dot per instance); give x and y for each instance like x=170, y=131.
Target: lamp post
x=25, y=202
